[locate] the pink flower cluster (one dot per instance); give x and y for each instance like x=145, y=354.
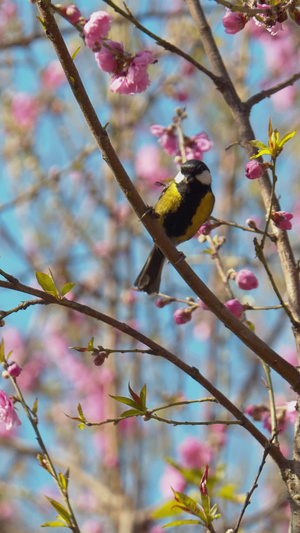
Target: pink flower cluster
x=8, y=414
x=285, y=414
x=270, y=18
x=129, y=72
x=195, y=146
x=25, y=110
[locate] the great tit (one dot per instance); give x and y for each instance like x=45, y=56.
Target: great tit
x=183, y=206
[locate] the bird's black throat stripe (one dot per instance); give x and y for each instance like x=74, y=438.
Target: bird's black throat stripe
x=192, y=191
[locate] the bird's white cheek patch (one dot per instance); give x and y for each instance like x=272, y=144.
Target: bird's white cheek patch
x=179, y=177
x=204, y=177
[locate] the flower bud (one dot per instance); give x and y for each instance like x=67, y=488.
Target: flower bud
x=235, y=307
x=182, y=315
x=14, y=370
x=253, y=170
x=246, y=280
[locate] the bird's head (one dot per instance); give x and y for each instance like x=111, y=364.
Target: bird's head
x=194, y=169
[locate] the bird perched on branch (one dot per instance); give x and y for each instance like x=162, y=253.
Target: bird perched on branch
x=183, y=206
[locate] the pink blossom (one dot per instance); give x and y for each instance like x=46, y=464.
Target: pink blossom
x=25, y=110
x=291, y=413
x=285, y=98
x=96, y=28
x=289, y=353
x=168, y=140
x=171, y=479
x=14, y=370
x=182, y=315
x=148, y=165
x=194, y=453
x=235, y=307
x=196, y=145
x=8, y=10
x=218, y=435
x=233, y=22
x=53, y=76
x=92, y=526
x=134, y=77
x=73, y=14
x=157, y=130
x=253, y=170
x=256, y=411
x=110, y=56
x=205, y=229
x=282, y=219
x=31, y=373
x=8, y=414
x=156, y=529
x=246, y=280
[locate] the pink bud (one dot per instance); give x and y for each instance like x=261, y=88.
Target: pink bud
x=73, y=14
x=162, y=302
x=203, y=482
x=246, y=280
x=235, y=307
x=282, y=219
x=233, y=22
x=14, y=370
x=182, y=315
x=99, y=358
x=253, y=170
x=205, y=229
x=202, y=305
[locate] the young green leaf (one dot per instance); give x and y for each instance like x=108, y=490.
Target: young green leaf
x=47, y=283
x=67, y=288
x=62, y=511
x=54, y=523
x=2, y=352
x=182, y=523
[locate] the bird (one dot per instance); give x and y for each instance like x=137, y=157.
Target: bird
x=183, y=206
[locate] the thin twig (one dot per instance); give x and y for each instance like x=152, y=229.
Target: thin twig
x=266, y=93
x=254, y=486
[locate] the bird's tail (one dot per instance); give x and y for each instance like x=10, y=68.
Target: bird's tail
x=148, y=279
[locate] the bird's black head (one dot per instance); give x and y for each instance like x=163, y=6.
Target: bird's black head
x=196, y=169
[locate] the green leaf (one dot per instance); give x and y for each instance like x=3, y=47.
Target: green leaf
x=189, y=504
x=258, y=144
x=80, y=412
x=54, y=524
x=143, y=395
x=165, y=510
x=81, y=426
x=75, y=53
x=2, y=352
x=47, y=283
x=34, y=409
x=261, y=152
x=9, y=354
x=126, y=401
x=130, y=412
x=63, y=481
x=62, y=511
x=228, y=492
x=286, y=138
x=91, y=344
x=68, y=287
x=182, y=523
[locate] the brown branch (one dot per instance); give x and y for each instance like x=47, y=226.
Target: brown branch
x=258, y=97
x=160, y=351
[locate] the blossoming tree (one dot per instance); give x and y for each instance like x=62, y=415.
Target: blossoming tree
x=101, y=105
